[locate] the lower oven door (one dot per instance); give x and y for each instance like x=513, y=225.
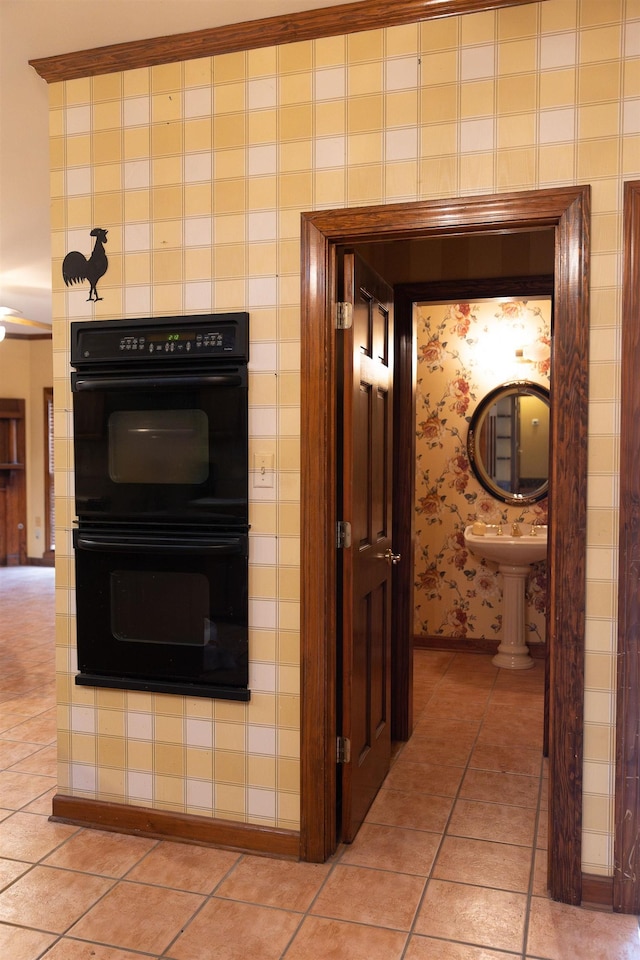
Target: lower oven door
x=163, y=612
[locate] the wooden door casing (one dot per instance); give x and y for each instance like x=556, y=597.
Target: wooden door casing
x=3, y=521
x=567, y=210
x=13, y=481
x=48, y=555
x=626, y=888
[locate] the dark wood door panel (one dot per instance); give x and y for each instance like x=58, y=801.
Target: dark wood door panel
x=380, y=475
x=361, y=446
x=13, y=480
x=366, y=573
x=370, y=692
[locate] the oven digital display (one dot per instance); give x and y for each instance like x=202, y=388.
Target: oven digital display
x=170, y=337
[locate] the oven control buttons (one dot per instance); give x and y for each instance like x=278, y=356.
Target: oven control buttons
x=209, y=341
x=216, y=341
x=132, y=343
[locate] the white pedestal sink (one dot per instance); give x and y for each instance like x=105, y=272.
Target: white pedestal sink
x=514, y=555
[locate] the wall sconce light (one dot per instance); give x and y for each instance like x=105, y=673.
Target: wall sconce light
x=534, y=352
x=521, y=357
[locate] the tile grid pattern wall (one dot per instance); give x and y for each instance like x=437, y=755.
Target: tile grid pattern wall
x=199, y=171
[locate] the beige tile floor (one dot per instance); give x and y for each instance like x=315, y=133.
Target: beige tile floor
x=449, y=865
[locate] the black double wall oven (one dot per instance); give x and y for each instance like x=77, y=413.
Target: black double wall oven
x=161, y=472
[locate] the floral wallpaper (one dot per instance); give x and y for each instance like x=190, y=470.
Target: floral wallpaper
x=466, y=350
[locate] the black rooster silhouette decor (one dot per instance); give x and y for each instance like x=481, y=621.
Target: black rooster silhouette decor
x=76, y=267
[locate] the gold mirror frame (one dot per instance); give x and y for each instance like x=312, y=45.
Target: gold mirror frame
x=514, y=388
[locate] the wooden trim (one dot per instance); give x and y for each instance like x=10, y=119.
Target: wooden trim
x=458, y=216
x=566, y=209
x=567, y=545
x=28, y=336
x=13, y=467
x=404, y=463
x=470, y=645
x=597, y=891
x=252, y=34
x=318, y=824
x=166, y=825
x=626, y=888
x=48, y=527
x=538, y=285
x=456, y=644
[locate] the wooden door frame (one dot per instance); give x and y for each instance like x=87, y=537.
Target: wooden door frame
x=48, y=555
x=13, y=423
x=567, y=210
x=626, y=888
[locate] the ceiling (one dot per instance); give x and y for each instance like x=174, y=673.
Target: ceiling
x=30, y=29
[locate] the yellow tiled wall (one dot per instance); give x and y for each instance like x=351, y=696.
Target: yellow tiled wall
x=199, y=170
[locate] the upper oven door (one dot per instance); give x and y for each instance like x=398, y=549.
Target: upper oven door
x=163, y=447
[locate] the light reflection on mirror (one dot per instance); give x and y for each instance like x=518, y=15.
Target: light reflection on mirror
x=508, y=442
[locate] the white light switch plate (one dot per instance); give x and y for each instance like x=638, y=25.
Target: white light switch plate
x=263, y=469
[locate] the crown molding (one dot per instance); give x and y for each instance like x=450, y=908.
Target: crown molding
x=252, y=34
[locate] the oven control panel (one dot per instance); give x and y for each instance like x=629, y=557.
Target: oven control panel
x=177, y=341
x=205, y=336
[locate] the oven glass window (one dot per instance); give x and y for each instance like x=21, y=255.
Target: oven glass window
x=159, y=446
x=179, y=603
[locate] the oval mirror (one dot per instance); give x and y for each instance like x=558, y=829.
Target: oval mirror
x=508, y=442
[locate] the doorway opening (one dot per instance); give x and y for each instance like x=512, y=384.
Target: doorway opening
x=13, y=483
x=567, y=211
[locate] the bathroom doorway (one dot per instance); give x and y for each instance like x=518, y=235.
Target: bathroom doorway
x=566, y=211
x=534, y=252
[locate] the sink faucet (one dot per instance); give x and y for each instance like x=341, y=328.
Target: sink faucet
x=515, y=530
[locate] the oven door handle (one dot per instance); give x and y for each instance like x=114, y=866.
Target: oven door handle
x=234, y=545
x=140, y=383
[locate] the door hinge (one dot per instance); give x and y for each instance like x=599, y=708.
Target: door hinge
x=343, y=750
x=344, y=315
x=343, y=534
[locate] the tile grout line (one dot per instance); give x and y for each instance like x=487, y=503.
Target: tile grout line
x=207, y=899
x=456, y=797
x=532, y=877
x=338, y=861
